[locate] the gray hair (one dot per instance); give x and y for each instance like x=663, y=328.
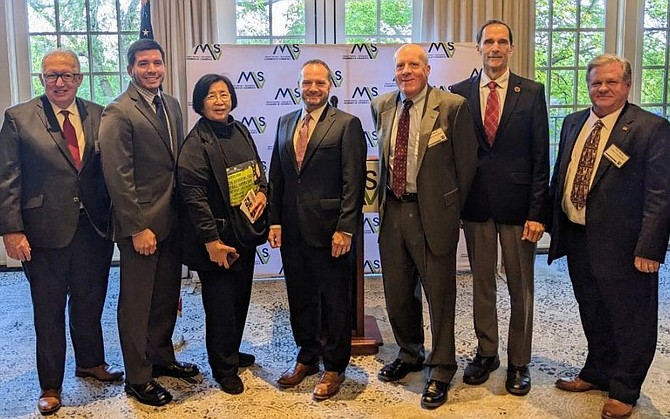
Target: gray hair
x=61, y=52
x=608, y=59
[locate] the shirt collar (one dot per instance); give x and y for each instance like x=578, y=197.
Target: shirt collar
x=502, y=80
x=607, y=120
x=418, y=98
x=72, y=108
x=315, y=114
x=147, y=94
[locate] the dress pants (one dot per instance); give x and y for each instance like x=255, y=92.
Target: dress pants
x=319, y=291
x=619, y=313
x=147, y=309
x=75, y=276
x=225, y=296
x=407, y=261
x=519, y=260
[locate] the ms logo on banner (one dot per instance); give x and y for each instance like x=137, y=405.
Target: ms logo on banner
x=362, y=52
x=371, y=139
x=285, y=96
x=284, y=52
x=263, y=255
x=371, y=224
x=250, y=80
x=336, y=78
x=207, y=52
x=372, y=266
x=441, y=50
x=256, y=124
x=362, y=95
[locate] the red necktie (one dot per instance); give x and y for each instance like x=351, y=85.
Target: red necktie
x=303, y=139
x=492, y=113
x=71, y=138
x=400, y=152
x=582, y=182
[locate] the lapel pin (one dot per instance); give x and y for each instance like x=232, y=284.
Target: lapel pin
x=517, y=89
x=625, y=128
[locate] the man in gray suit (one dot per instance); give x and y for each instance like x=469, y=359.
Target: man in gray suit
x=427, y=160
x=54, y=218
x=317, y=181
x=140, y=135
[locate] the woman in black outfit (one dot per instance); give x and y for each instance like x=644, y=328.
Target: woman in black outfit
x=217, y=143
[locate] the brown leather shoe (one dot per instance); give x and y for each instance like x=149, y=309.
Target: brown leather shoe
x=103, y=373
x=614, y=409
x=49, y=401
x=576, y=385
x=328, y=385
x=294, y=375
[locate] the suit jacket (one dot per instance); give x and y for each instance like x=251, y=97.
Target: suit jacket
x=512, y=180
x=327, y=194
x=627, y=208
x=445, y=170
x=41, y=190
x=139, y=165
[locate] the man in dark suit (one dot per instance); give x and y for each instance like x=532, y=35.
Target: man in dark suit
x=317, y=181
x=140, y=135
x=611, y=216
x=508, y=200
x=427, y=160
x=54, y=217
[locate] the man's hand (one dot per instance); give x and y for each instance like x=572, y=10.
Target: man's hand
x=646, y=265
x=274, y=237
x=218, y=253
x=17, y=246
x=145, y=242
x=532, y=231
x=341, y=244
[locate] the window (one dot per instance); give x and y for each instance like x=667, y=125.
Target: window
x=654, y=95
x=568, y=34
x=270, y=22
x=381, y=21
x=98, y=31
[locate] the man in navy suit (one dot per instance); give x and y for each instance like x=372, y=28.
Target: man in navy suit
x=611, y=215
x=55, y=217
x=317, y=181
x=508, y=201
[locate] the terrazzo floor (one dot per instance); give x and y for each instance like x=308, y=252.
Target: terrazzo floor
x=559, y=349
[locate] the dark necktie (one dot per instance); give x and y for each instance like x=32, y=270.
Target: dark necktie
x=400, y=151
x=71, y=138
x=160, y=111
x=582, y=182
x=303, y=139
x=492, y=113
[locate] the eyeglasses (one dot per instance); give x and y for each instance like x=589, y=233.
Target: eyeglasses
x=216, y=96
x=66, y=77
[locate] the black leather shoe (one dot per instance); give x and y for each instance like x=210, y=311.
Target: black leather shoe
x=434, y=394
x=398, y=369
x=231, y=384
x=518, y=380
x=150, y=393
x=246, y=360
x=176, y=369
x=478, y=371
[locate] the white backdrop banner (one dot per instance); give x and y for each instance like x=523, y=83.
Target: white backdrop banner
x=266, y=82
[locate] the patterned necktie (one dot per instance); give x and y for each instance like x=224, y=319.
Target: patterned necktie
x=582, y=181
x=492, y=113
x=400, y=152
x=303, y=139
x=71, y=138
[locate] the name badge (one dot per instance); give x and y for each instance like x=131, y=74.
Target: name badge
x=436, y=137
x=616, y=156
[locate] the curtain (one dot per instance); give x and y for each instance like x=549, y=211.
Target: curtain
x=458, y=21
x=178, y=26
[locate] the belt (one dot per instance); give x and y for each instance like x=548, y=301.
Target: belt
x=406, y=197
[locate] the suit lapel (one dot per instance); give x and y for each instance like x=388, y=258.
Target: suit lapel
x=514, y=91
x=46, y=114
x=89, y=132
x=570, y=139
x=476, y=106
x=320, y=130
x=290, y=125
x=618, y=137
x=145, y=109
x=387, y=116
x=427, y=123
